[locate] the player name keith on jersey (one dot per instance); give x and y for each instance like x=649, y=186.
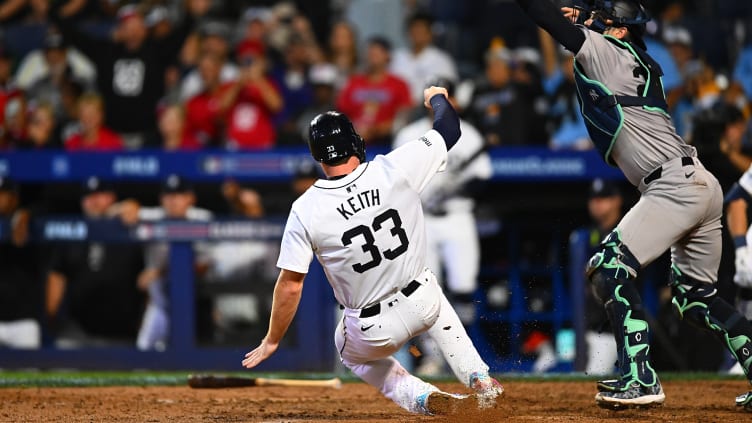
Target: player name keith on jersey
x=359, y=202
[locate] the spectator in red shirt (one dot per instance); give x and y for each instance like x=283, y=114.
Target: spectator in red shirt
x=204, y=111
x=373, y=99
x=93, y=135
x=172, y=130
x=254, y=99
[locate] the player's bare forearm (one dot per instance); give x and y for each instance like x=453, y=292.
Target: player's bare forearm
x=287, y=293
x=736, y=216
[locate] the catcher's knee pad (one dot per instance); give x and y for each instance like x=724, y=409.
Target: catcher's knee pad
x=697, y=303
x=612, y=264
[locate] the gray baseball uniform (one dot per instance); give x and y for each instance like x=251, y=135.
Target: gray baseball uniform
x=623, y=103
x=680, y=209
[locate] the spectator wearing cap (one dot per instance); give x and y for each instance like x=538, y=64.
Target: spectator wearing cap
x=498, y=106
x=374, y=99
x=448, y=203
x=292, y=77
x=59, y=86
x=527, y=76
x=91, y=295
x=93, y=135
x=698, y=89
x=323, y=78
x=251, y=104
x=41, y=71
x=206, y=111
x=20, y=275
x=213, y=39
x=342, y=51
x=177, y=201
x=159, y=22
x=131, y=67
x=254, y=24
x=422, y=60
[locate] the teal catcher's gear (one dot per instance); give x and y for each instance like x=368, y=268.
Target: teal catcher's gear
x=698, y=304
x=602, y=109
x=610, y=271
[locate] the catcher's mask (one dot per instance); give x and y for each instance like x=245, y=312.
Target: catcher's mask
x=332, y=138
x=622, y=13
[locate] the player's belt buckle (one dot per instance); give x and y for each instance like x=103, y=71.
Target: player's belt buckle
x=375, y=309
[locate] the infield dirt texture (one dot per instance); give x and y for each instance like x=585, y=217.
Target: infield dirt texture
x=524, y=401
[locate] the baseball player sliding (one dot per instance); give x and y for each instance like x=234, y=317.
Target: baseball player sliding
x=365, y=225
x=621, y=97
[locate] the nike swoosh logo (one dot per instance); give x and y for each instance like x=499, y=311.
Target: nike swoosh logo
x=688, y=175
x=365, y=328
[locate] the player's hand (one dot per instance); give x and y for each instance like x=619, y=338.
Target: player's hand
x=261, y=353
x=571, y=13
x=431, y=91
x=743, y=263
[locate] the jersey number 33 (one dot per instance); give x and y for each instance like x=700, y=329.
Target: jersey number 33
x=370, y=247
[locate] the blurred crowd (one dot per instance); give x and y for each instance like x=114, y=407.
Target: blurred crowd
x=192, y=74
x=110, y=75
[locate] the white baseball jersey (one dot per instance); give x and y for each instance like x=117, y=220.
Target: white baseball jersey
x=442, y=188
x=367, y=228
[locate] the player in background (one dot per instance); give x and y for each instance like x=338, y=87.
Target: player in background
x=737, y=201
x=621, y=96
x=451, y=234
x=365, y=225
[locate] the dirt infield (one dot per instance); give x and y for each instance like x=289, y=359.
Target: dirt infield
x=687, y=401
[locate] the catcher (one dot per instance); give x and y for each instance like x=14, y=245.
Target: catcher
x=622, y=99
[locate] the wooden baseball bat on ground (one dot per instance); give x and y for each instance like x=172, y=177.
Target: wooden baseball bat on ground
x=204, y=381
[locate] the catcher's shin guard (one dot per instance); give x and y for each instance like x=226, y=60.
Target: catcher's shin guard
x=609, y=271
x=630, y=328
x=698, y=303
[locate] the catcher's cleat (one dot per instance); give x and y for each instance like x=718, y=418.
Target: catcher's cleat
x=439, y=403
x=487, y=389
x=745, y=400
x=634, y=395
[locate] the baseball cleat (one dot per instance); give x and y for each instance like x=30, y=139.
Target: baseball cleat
x=439, y=403
x=487, y=388
x=634, y=396
x=745, y=400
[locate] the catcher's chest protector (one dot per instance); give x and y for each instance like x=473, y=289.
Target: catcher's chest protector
x=602, y=109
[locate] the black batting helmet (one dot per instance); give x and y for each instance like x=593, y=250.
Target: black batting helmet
x=332, y=138
x=624, y=13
